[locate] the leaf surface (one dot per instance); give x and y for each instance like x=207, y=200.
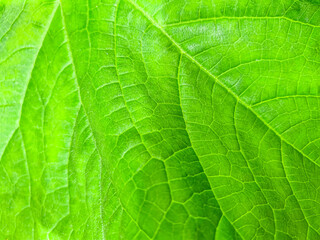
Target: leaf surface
x=159, y=119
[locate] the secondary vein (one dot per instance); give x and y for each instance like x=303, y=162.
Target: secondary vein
x=216, y=79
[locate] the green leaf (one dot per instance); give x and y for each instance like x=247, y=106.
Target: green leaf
x=181, y=119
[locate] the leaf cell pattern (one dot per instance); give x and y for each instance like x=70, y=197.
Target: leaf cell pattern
x=179, y=119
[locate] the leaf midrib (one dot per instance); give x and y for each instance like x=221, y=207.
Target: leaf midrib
x=217, y=80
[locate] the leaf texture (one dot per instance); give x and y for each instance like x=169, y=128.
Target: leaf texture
x=180, y=119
